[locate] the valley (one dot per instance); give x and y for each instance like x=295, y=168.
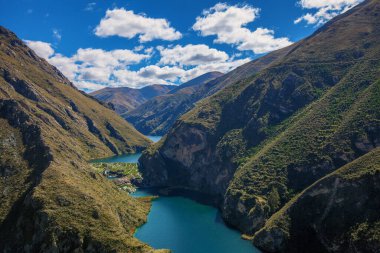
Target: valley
x=164, y=141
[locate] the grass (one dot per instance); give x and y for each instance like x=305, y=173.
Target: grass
x=123, y=174
x=61, y=193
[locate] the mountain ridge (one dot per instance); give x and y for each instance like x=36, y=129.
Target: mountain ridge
x=49, y=131
x=124, y=99
x=263, y=139
x=158, y=115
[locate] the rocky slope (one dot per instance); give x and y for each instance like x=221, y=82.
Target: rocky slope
x=156, y=116
x=266, y=137
x=51, y=198
x=125, y=99
x=337, y=213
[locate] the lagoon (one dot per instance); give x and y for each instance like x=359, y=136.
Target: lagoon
x=185, y=226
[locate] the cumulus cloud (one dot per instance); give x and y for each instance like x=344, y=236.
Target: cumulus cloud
x=223, y=67
x=148, y=75
x=191, y=55
x=92, y=69
x=42, y=49
x=66, y=65
x=324, y=10
x=127, y=24
x=102, y=58
x=228, y=23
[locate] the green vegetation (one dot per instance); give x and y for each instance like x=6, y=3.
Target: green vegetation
x=123, y=174
x=52, y=199
x=257, y=144
x=339, y=201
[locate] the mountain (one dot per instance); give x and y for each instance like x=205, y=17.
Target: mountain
x=290, y=152
x=52, y=200
x=156, y=116
x=125, y=99
x=191, y=86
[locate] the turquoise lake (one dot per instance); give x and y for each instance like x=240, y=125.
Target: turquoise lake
x=127, y=158
x=184, y=225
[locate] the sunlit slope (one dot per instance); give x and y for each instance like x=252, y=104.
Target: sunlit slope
x=265, y=138
x=51, y=198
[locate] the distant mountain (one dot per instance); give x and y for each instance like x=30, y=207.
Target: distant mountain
x=125, y=99
x=156, y=116
x=290, y=152
x=52, y=199
x=191, y=86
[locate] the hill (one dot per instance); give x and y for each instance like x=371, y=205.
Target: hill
x=125, y=99
x=51, y=198
x=156, y=116
x=265, y=138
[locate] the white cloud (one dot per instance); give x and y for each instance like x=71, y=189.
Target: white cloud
x=166, y=73
x=148, y=75
x=42, y=49
x=127, y=24
x=90, y=6
x=138, y=48
x=98, y=74
x=191, y=55
x=223, y=67
x=102, y=58
x=325, y=10
x=92, y=69
x=228, y=24
x=56, y=34
x=89, y=86
x=66, y=65
x=148, y=50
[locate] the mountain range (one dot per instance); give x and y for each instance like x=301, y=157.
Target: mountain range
x=125, y=99
x=290, y=151
x=287, y=147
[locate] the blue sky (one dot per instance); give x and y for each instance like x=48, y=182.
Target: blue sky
x=142, y=42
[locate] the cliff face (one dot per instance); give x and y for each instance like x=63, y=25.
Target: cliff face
x=51, y=198
x=266, y=137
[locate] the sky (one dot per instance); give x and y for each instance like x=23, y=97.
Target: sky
x=136, y=43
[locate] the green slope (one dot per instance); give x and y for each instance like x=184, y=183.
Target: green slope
x=261, y=140
x=51, y=198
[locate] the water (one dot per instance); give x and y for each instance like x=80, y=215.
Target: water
x=127, y=158
x=185, y=226
x=154, y=138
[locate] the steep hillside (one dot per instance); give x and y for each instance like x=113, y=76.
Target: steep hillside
x=156, y=116
x=191, y=86
x=342, y=208
x=265, y=138
x=125, y=99
x=51, y=198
